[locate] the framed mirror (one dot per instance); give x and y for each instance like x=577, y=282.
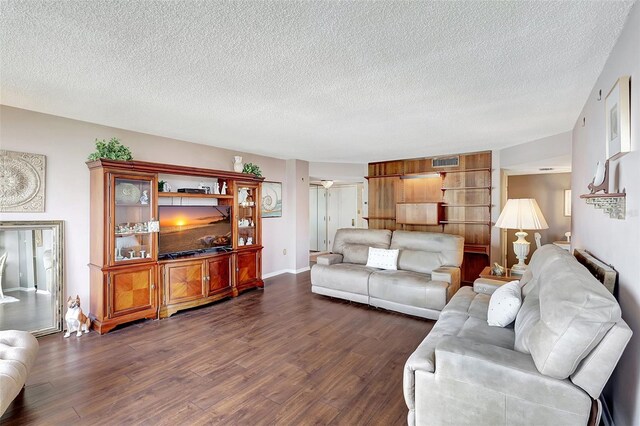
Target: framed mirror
x=31, y=276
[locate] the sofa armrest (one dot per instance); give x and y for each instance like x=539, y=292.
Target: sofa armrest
x=486, y=285
x=449, y=274
x=506, y=371
x=329, y=259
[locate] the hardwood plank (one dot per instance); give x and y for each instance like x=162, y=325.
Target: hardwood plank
x=281, y=355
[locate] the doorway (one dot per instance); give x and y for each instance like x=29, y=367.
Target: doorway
x=549, y=190
x=331, y=209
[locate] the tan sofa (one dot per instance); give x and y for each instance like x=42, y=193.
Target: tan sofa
x=547, y=369
x=18, y=350
x=428, y=272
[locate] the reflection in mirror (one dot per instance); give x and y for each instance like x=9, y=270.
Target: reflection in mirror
x=31, y=276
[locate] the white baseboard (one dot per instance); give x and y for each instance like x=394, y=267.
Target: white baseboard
x=285, y=271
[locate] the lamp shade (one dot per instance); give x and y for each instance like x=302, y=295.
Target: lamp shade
x=521, y=213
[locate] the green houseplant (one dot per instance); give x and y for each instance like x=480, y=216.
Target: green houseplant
x=252, y=169
x=112, y=150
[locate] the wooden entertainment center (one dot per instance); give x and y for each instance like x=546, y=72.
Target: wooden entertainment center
x=128, y=281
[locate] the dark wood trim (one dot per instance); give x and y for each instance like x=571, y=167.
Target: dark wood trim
x=145, y=166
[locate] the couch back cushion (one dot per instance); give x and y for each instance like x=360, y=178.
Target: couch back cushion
x=576, y=311
x=353, y=244
x=425, y=251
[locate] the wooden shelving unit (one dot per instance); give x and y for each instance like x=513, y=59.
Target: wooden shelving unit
x=461, y=193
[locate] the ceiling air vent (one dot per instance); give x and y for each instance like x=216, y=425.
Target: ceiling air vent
x=446, y=162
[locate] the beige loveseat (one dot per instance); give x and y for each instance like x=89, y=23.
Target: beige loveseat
x=428, y=272
x=18, y=350
x=546, y=370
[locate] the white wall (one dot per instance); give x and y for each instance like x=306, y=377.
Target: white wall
x=614, y=241
x=346, y=172
x=552, y=151
x=67, y=143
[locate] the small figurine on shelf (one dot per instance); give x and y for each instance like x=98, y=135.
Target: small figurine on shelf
x=249, y=241
x=144, y=199
x=223, y=191
x=216, y=189
x=241, y=241
x=497, y=270
x=251, y=222
x=142, y=252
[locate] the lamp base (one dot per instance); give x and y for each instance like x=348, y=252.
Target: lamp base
x=521, y=249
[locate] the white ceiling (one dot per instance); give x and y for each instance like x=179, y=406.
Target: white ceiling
x=319, y=81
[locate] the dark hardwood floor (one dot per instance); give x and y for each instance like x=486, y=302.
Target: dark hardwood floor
x=281, y=355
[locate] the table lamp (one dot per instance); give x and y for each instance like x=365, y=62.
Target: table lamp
x=522, y=213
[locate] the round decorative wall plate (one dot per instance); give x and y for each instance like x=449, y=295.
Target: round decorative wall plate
x=21, y=181
x=127, y=193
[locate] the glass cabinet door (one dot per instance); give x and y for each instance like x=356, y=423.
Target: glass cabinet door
x=131, y=220
x=247, y=215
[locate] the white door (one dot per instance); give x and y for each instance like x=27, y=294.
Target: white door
x=342, y=209
x=313, y=218
x=322, y=219
x=318, y=218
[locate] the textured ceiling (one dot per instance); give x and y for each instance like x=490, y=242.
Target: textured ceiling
x=319, y=81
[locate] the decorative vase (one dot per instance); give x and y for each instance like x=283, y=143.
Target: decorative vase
x=237, y=164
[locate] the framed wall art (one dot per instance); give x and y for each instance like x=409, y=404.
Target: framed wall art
x=618, y=119
x=22, y=179
x=271, y=205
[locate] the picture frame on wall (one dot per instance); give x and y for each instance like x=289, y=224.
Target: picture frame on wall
x=618, y=119
x=271, y=205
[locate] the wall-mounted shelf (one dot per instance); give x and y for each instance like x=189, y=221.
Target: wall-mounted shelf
x=481, y=169
x=612, y=204
x=464, y=222
x=462, y=188
x=192, y=195
x=467, y=205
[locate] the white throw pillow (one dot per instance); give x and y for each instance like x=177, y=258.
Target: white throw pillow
x=504, y=304
x=383, y=258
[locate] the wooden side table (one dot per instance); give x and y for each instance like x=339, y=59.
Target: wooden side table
x=486, y=273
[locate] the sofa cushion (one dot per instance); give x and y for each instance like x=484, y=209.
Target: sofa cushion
x=528, y=316
x=383, y=258
x=504, y=305
x=346, y=277
x=575, y=313
x=468, y=302
x=425, y=251
x=355, y=253
x=480, y=331
x=408, y=288
x=380, y=238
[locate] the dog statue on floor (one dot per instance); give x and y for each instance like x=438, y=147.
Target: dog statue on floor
x=75, y=319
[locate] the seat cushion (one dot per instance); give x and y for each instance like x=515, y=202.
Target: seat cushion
x=469, y=303
x=348, y=277
x=408, y=288
x=480, y=331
